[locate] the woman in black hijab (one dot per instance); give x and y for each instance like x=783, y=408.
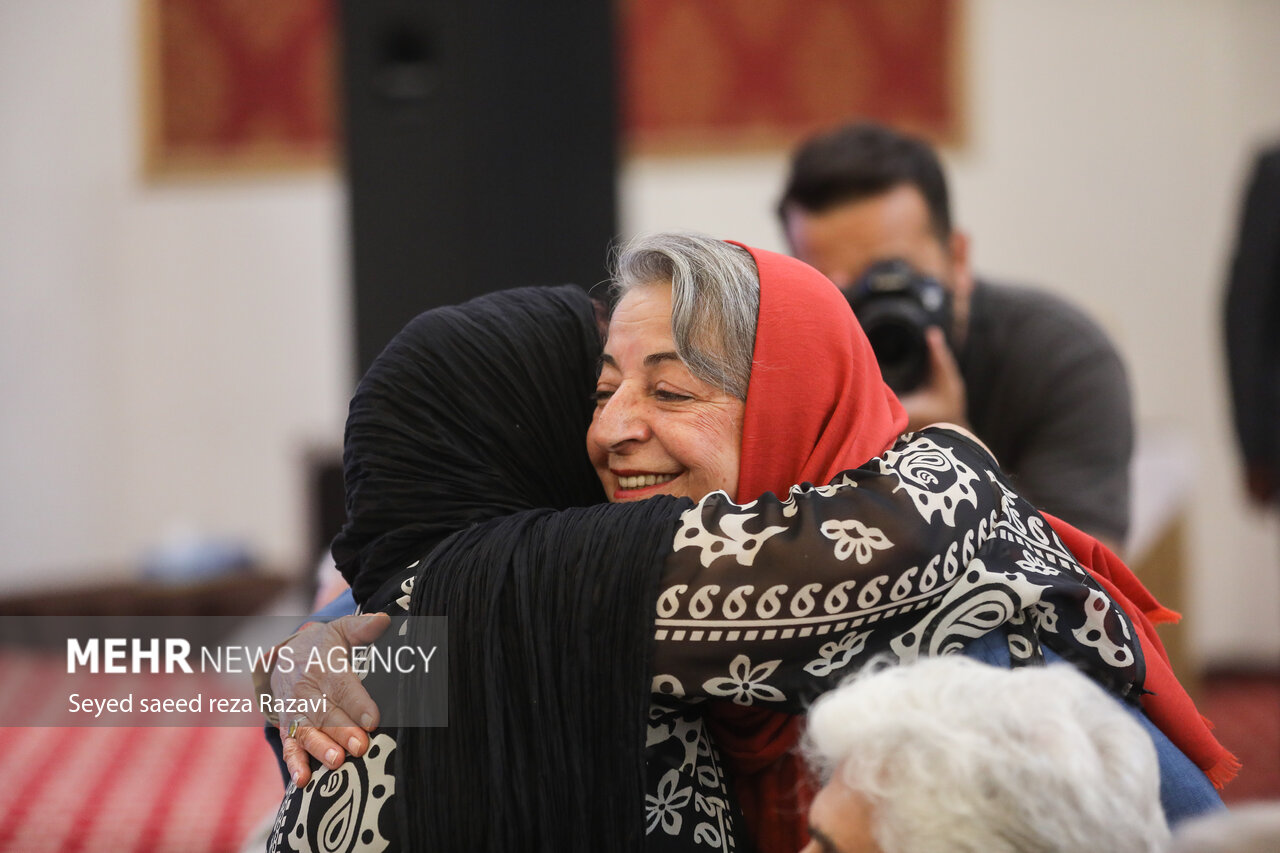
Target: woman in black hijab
x=474, y=413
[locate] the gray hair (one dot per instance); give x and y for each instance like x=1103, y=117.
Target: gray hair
x=715, y=301
x=956, y=755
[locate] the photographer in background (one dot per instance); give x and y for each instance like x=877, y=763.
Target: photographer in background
x=1031, y=375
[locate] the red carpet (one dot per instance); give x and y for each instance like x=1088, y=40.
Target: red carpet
x=141, y=790
x=201, y=790
x=1246, y=710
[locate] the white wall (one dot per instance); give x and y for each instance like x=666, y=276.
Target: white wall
x=1106, y=146
x=168, y=353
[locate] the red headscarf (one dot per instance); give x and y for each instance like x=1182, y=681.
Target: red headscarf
x=817, y=405
x=817, y=396
x=816, y=389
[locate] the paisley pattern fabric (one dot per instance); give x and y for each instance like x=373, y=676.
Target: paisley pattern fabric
x=346, y=809
x=688, y=805
x=918, y=552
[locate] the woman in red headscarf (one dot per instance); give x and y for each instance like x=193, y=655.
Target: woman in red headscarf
x=909, y=546
x=815, y=407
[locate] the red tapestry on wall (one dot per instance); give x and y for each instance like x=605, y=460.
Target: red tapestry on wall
x=704, y=74
x=242, y=85
x=238, y=84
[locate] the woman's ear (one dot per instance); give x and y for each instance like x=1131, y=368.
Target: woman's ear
x=602, y=316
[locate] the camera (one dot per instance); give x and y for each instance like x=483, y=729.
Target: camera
x=895, y=305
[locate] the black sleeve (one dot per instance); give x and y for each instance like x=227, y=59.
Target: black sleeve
x=765, y=603
x=918, y=553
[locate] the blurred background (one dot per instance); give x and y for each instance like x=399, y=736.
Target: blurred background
x=178, y=321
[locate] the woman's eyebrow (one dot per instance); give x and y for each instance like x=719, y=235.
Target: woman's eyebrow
x=649, y=360
x=659, y=357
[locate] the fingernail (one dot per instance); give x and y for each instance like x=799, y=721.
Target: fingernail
x=353, y=746
x=296, y=774
x=331, y=757
x=366, y=722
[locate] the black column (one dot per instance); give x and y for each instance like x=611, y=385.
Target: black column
x=480, y=151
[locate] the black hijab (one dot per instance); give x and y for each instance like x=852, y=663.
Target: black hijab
x=471, y=412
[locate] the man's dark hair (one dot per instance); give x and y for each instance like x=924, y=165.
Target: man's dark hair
x=862, y=160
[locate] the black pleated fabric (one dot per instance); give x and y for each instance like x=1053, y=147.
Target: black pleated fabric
x=550, y=616
x=471, y=412
x=472, y=422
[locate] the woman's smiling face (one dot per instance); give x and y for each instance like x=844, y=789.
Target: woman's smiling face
x=658, y=429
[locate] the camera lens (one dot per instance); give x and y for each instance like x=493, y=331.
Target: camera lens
x=895, y=305
x=902, y=352
x=895, y=327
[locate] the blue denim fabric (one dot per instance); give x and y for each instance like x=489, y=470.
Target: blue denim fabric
x=1185, y=792
x=343, y=605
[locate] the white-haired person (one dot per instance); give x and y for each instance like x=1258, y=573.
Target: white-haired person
x=949, y=754
x=1246, y=828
